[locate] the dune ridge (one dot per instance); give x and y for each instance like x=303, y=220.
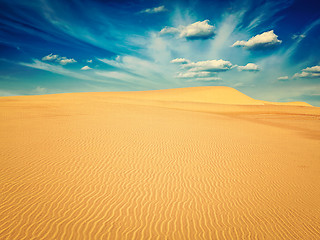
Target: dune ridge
x=158, y=165
x=213, y=94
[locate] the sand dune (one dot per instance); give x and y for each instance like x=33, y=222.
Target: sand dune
x=195, y=163
x=220, y=95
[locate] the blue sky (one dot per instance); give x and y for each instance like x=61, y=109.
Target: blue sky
x=267, y=49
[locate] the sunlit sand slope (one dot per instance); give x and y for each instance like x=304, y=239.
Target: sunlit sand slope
x=220, y=95
x=144, y=166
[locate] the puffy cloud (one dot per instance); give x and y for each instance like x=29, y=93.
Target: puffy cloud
x=86, y=68
x=154, y=10
x=314, y=69
x=197, y=30
x=260, y=41
x=65, y=61
x=202, y=70
x=89, y=61
x=306, y=75
x=58, y=59
x=251, y=67
x=309, y=72
x=209, y=65
x=283, y=78
x=180, y=60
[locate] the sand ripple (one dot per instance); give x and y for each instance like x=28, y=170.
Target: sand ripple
x=90, y=166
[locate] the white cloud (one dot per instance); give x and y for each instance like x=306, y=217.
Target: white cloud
x=180, y=60
x=65, y=61
x=143, y=72
x=283, y=78
x=296, y=43
x=115, y=63
x=58, y=59
x=251, y=67
x=208, y=79
x=309, y=72
x=205, y=79
x=55, y=69
x=298, y=36
x=50, y=57
x=154, y=10
x=193, y=74
x=203, y=70
x=86, y=68
x=197, y=30
x=116, y=75
x=209, y=65
x=306, y=75
x=169, y=30
x=40, y=90
x=89, y=61
x=314, y=69
x=260, y=41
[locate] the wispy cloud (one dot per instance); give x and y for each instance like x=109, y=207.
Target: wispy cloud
x=54, y=69
x=298, y=36
x=205, y=79
x=283, y=78
x=209, y=65
x=40, y=90
x=145, y=72
x=190, y=74
x=154, y=10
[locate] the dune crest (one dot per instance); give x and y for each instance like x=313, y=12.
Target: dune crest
x=208, y=94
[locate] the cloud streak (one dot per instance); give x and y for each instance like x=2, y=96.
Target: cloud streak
x=209, y=65
x=283, y=78
x=154, y=10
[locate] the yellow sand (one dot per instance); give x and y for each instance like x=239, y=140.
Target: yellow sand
x=170, y=164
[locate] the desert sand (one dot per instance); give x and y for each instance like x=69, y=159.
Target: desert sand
x=193, y=163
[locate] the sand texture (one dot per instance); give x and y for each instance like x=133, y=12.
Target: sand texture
x=194, y=163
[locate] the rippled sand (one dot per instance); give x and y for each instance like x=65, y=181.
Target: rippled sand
x=171, y=164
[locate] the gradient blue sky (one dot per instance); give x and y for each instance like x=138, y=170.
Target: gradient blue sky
x=269, y=50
